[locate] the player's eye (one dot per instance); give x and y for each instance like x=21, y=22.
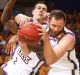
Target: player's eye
x=44, y=9
x=38, y=7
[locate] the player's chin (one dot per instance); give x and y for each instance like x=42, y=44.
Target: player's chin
x=39, y=17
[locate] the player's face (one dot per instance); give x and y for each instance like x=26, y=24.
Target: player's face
x=56, y=25
x=39, y=11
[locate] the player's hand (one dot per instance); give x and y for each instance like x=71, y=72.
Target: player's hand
x=11, y=44
x=42, y=31
x=10, y=48
x=46, y=18
x=21, y=19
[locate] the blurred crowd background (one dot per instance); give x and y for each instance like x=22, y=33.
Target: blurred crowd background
x=70, y=7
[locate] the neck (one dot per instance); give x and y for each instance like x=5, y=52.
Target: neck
x=25, y=51
x=24, y=48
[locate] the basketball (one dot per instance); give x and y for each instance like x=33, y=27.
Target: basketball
x=29, y=33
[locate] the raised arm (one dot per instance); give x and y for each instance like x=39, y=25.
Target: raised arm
x=6, y=17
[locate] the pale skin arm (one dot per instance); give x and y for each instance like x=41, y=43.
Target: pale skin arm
x=21, y=19
x=52, y=55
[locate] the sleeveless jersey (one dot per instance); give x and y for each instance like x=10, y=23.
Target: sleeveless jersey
x=68, y=64
x=22, y=65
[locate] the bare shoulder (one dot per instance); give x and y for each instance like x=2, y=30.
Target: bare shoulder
x=68, y=41
x=69, y=37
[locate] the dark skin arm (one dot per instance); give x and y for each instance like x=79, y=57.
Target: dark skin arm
x=6, y=17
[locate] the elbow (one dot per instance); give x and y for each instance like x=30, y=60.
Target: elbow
x=51, y=61
x=4, y=20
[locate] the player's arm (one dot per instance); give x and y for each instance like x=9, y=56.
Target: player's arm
x=6, y=17
x=55, y=53
x=21, y=19
x=11, y=44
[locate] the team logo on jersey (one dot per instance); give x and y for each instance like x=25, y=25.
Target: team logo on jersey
x=26, y=59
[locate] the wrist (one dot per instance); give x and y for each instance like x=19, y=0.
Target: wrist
x=46, y=37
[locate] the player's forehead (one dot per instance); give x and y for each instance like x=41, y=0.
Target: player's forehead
x=41, y=5
x=57, y=22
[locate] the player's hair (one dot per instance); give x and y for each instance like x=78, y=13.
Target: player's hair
x=40, y=2
x=57, y=14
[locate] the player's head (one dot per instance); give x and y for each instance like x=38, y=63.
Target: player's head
x=57, y=20
x=39, y=10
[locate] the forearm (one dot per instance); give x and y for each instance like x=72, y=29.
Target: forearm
x=49, y=53
x=21, y=17
x=12, y=26
x=6, y=15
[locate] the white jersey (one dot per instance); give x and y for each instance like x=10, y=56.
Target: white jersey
x=68, y=64
x=22, y=65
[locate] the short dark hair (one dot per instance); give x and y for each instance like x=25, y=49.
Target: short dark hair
x=40, y=2
x=58, y=14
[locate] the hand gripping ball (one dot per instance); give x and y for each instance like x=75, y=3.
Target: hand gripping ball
x=29, y=33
